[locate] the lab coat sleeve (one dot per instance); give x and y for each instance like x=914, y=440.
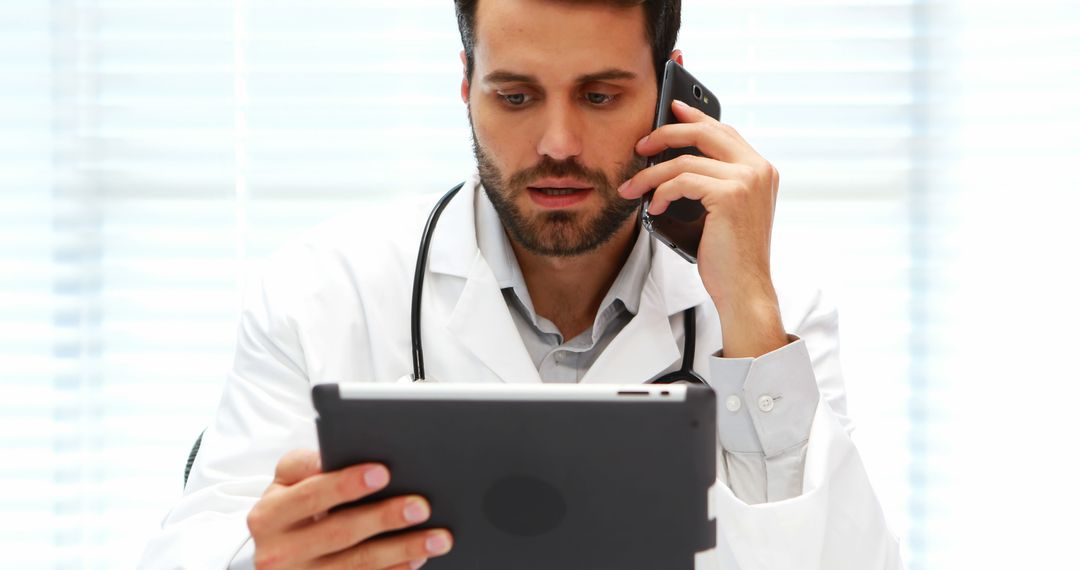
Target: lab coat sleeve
x=265, y=411
x=793, y=492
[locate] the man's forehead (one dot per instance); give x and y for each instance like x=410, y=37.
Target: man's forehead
x=532, y=37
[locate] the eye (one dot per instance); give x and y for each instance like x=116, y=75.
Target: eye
x=599, y=99
x=514, y=99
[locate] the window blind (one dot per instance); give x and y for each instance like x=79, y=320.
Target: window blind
x=994, y=282
x=150, y=150
x=824, y=91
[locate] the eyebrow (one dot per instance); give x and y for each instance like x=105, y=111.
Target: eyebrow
x=613, y=74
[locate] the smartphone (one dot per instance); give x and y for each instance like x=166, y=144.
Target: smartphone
x=681, y=225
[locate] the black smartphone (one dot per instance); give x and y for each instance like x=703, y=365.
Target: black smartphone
x=681, y=225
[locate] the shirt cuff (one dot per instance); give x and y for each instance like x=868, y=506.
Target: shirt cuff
x=766, y=404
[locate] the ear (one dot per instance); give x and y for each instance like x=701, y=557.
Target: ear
x=677, y=56
x=464, y=79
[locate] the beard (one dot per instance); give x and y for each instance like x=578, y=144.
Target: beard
x=558, y=233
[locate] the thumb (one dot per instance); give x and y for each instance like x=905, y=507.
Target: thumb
x=297, y=465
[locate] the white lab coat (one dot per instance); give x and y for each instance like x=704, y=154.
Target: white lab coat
x=335, y=308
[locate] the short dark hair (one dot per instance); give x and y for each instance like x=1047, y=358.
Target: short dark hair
x=662, y=21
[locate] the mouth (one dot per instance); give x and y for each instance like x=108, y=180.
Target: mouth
x=556, y=194
x=557, y=191
x=559, y=183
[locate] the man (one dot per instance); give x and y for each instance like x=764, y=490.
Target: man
x=539, y=271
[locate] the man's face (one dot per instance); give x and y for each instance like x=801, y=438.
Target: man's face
x=560, y=93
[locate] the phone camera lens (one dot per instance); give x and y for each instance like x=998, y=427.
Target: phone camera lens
x=697, y=92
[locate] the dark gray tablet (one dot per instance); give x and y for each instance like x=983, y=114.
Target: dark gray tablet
x=539, y=476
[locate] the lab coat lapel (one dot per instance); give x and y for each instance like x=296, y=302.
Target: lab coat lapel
x=479, y=320
x=648, y=346
x=643, y=349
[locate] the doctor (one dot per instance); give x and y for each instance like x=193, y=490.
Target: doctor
x=539, y=272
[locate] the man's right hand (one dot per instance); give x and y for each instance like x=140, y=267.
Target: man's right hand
x=293, y=528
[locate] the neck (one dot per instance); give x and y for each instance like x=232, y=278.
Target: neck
x=568, y=290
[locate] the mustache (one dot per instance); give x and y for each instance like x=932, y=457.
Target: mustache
x=550, y=168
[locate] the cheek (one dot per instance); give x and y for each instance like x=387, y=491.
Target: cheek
x=615, y=141
x=507, y=143
x=618, y=133
x=487, y=133
x=645, y=117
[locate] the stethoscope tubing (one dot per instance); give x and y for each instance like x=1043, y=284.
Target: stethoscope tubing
x=418, y=281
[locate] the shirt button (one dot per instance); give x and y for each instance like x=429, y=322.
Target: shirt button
x=733, y=403
x=765, y=403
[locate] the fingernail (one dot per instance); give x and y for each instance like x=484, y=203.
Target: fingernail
x=680, y=104
x=623, y=188
x=643, y=139
x=376, y=477
x=437, y=544
x=417, y=563
x=416, y=511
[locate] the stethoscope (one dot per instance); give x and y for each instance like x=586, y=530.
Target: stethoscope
x=685, y=373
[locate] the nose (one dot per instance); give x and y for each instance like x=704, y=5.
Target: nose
x=561, y=138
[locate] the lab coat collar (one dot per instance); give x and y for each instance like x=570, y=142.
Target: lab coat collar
x=647, y=345
x=453, y=246
x=480, y=319
x=481, y=322
x=644, y=348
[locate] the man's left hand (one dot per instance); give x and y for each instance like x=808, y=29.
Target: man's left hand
x=738, y=189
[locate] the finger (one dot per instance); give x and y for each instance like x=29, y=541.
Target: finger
x=689, y=185
x=654, y=176
x=317, y=494
x=341, y=530
x=297, y=465
x=710, y=138
x=695, y=128
x=392, y=551
x=688, y=113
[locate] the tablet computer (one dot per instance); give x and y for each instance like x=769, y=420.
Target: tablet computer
x=539, y=476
